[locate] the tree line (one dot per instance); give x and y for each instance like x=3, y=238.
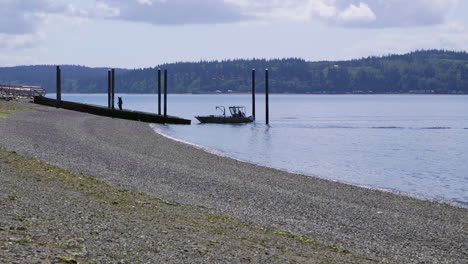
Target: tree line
x=425, y=71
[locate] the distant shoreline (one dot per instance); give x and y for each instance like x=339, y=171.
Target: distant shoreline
x=419, y=72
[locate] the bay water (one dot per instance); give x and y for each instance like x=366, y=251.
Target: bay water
x=411, y=144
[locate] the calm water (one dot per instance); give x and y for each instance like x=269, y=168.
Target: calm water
x=406, y=143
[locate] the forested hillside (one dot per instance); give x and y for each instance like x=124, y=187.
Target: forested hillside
x=432, y=71
x=77, y=79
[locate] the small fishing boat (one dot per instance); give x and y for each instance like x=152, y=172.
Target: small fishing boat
x=237, y=116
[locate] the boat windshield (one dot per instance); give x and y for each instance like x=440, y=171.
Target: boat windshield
x=238, y=111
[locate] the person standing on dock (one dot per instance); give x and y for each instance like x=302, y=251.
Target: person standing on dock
x=120, y=103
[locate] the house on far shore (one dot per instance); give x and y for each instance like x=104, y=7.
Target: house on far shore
x=421, y=91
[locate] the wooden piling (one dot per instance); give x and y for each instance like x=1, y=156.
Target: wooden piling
x=109, y=87
x=253, y=93
x=165, y=93
x=59, y=86
x=159, y=91
x=267, y=117
x=113, y=89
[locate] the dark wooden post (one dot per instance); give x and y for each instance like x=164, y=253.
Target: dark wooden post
x=159, y=91
x=253, y=93
x=113, y=89
x=59, y=86
x=165, y=93
x=266, y=98
x=109, y=88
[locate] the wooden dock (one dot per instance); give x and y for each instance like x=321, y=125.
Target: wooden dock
x=7, y=90
x=105, y=111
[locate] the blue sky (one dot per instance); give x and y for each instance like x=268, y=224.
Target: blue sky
x=144, y=33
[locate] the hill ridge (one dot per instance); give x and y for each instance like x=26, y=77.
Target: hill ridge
x=421, y=71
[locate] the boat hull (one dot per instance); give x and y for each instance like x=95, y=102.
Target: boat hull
x=224, y=120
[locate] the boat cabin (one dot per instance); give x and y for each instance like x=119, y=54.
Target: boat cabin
x=237, y=111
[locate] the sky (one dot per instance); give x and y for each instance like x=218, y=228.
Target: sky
x=144, y=33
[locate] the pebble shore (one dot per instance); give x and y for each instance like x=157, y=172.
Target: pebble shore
x=129, y=155
x=50, y=215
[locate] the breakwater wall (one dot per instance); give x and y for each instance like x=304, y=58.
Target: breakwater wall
x=115, y=113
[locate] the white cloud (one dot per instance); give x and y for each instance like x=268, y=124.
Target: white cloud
x=299, y=10
x=25, y=16
x=21, y=20
x=9, y=60
x=405, y=13
x=357, y=14
x=103, y=10
x=149, y=2
x=393, y=40
x=20, y=41
x=145, y=2
x=175, y=12
x=362, y=13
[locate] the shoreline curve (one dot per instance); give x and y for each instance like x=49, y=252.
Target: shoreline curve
x=156, y=128
x=129, y=154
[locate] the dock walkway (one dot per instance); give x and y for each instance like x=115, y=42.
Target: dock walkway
x=105, y=111
x=7, y=90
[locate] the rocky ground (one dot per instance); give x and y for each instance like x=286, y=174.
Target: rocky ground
x=217, y=209
x=50, y=215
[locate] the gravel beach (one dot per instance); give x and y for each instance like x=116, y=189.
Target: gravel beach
x=130, y=155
